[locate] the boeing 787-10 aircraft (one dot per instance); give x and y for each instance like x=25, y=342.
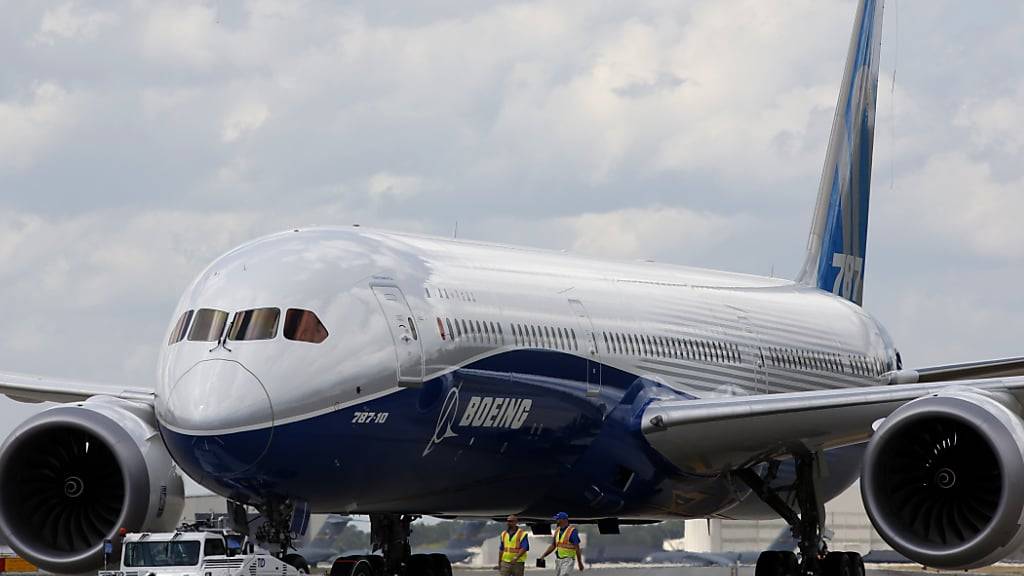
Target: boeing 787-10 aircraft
x=346, y=370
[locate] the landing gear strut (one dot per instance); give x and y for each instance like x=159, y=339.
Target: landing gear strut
x=276, y=533
x=389, y=533
x=808, y=525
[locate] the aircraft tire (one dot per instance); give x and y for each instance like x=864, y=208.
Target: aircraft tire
x=777, y=563
x=420, y=565
x=376, y=564
x=856, y=564
x=353, y=566
x=442, y=566
x=837, y=564
x=363, y=568
x=298, y=562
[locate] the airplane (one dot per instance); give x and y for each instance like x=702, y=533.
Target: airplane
x=357, y=371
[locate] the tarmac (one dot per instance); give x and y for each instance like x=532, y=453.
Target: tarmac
x=675, y=570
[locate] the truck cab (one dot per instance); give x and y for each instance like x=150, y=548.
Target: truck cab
x=198, y=553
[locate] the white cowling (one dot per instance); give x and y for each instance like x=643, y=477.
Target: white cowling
x=941, y=478
x=73, y=475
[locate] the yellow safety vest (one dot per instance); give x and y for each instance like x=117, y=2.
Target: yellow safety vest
x=510, y=546
x=563, y=547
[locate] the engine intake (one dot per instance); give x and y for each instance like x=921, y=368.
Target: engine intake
x=71, y=476
x=939, y=477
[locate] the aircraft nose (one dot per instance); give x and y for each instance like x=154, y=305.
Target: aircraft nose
x=222, y=401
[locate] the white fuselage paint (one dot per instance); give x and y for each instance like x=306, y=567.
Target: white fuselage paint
x=701, y=332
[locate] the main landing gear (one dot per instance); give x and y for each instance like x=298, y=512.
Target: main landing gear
x=807, y=525
x=389, y=535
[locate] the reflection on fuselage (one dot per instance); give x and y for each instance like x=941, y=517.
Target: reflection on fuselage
x=387, y=339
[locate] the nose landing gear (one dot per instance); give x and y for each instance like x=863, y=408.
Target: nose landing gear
x=276, y=531
x=808, y=524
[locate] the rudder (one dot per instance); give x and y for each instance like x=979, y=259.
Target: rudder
x=838, y=240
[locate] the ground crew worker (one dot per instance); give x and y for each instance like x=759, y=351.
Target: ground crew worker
x=566, y=546
x=513, y=548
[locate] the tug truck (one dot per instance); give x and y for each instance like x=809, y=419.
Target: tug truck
x=196, y=554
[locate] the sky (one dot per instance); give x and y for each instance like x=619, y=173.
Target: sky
x=140, y=140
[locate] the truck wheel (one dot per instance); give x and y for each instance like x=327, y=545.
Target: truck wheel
x=298, y=562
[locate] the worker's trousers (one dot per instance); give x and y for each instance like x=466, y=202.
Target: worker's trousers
x=511, y=568
x=564, y=566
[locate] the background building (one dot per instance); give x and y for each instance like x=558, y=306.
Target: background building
x=845, y=517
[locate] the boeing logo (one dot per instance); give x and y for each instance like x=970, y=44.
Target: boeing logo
x=481, y=412
x=443, y=428
x=490, y=412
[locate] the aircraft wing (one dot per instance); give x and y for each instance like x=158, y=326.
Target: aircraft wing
x=28, y=388
x=728, y=433
x=999, y=368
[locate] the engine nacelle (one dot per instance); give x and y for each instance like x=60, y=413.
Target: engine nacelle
x=941, y=479
x=71, y=476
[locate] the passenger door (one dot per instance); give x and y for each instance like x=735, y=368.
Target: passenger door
x=750, y=334
x=588, y=346
x=404, y=333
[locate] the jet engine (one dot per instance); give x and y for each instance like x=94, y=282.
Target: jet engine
x=73, y=475
x=941, y=479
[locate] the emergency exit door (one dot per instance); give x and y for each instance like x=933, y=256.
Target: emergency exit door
x=588, y=346
x=408, y=348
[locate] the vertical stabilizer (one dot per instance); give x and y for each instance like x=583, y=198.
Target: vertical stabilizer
x=838, y=240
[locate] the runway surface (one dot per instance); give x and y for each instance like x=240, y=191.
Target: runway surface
x=669, y=570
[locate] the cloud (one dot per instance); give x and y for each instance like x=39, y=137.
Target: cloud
x=134, y=149
x=995, y=124
x=30, y=126
x=243, y=119
x=665, y=234
x=385, y=184
x=181, y=35
x=956, y=201
x=649, y=232
x=72, y=21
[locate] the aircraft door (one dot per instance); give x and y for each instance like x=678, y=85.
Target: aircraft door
x=404, y=333
x=588, y=345
x=760, y=366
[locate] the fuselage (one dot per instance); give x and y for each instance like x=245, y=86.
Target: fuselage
x=465, y=378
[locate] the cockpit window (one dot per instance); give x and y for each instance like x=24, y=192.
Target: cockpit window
x=255, y=324
x=181, y=328
x=303, y=326
x=208, y=325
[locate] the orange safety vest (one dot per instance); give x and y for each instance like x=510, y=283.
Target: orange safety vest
x=510, y=546
x=563, y=547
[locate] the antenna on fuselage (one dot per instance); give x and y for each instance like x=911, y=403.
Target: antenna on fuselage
x=455, y=233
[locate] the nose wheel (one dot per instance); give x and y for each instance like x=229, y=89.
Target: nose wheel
x=807, y=523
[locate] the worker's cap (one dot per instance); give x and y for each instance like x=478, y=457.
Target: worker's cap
x=560, y=516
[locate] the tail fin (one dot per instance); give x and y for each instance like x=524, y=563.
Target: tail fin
x=838, y=240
